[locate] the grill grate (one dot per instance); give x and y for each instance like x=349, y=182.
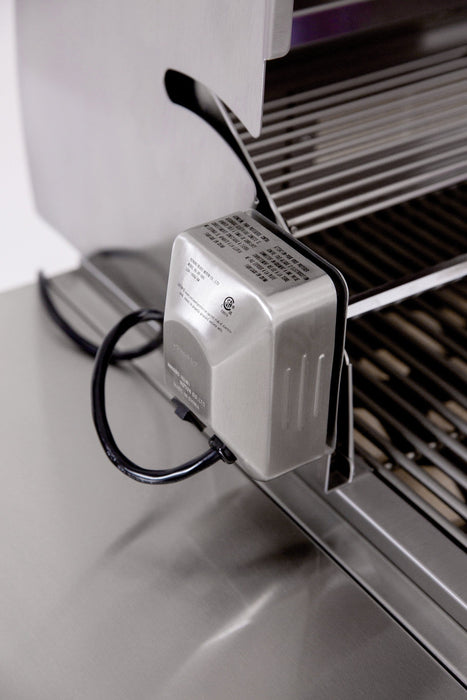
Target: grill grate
x=331, y=153
x=399, y=241
x=370, y=172
x=410, y=360
x=410, y=364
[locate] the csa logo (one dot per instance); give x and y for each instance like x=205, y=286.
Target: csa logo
x=229, y=303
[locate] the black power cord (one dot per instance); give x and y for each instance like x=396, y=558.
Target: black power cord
x=86, y=345
x=106, y=355
x=218, y=450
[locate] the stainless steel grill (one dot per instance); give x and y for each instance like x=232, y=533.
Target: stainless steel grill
x=331, y=153
x=363, y=155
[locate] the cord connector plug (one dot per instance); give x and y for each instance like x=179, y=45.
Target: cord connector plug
x=223, y=451
x=185, y=414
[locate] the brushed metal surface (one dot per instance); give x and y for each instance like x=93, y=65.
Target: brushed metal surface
x=199, y=590
x=237, y=369
x=111, y=157
x=405, y=582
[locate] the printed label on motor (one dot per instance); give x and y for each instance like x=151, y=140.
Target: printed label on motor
x=270, y=262
x=183, y=386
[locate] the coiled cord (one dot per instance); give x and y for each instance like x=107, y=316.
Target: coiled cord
x=106, y=355
x=83, y=343
x=218, y=450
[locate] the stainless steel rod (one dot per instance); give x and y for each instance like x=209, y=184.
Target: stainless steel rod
x=431, y=279
x=427, y=223
x=419, y=445
x=404, y=380
x=425, y=239
x=451, y=225
x=413, y=469
x=393, y=98
x=372, y=159
x=402, y=245
x=409, y=110
x=379, y=136
x=379, y=87
x=348, y=83
x=418, y=367
x=357, y=212
x=459, y=139
x=355, y=208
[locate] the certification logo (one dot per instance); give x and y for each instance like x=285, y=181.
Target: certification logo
x=229, y=303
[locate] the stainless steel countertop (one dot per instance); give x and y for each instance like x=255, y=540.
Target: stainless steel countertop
x=203, y=589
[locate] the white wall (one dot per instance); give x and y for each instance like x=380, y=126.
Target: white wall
x=27, y=243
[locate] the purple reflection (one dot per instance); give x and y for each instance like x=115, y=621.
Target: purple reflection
x=329, y=23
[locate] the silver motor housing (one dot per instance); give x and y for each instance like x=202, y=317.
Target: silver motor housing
x=253, y=340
